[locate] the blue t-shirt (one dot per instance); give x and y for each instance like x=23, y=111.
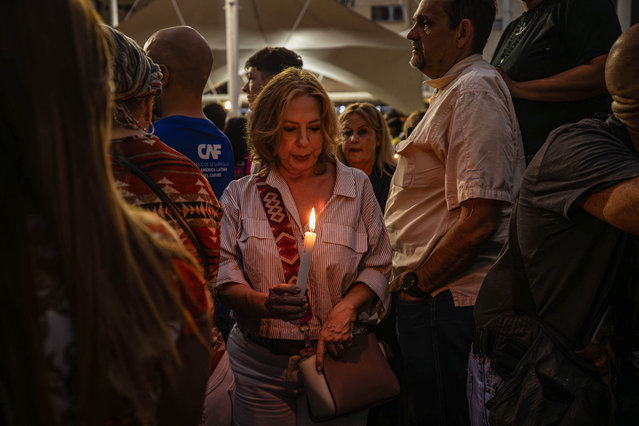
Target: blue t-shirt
x=204, y=144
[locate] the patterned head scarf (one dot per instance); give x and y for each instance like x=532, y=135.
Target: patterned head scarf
x=135, y=75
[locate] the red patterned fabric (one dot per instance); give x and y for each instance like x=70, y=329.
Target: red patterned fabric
x=283, y=234
x=183, y=183
x=192, y=292
x=187, y=187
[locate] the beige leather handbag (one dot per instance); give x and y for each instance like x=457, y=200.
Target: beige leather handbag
x=360, y=378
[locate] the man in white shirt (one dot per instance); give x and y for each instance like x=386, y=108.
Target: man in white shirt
x=449, y=202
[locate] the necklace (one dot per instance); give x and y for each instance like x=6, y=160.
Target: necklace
x=525, y=23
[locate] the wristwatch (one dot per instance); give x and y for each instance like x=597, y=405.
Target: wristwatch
x=410, y=285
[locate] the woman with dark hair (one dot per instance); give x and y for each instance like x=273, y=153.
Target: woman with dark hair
x=102, y=310
x=292, y=134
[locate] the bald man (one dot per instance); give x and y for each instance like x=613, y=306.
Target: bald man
x=572, y=247
x=186, y=61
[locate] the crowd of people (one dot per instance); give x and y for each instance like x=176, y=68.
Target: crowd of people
x=156, y=248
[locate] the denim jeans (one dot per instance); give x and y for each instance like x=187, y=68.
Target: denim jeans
x=482, y=385
x=435, y=339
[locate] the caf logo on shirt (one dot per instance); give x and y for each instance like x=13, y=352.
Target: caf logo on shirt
x=206, y=151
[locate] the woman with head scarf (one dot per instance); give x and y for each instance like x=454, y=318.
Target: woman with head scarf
x=139, y=155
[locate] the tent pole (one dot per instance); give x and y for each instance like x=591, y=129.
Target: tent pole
x=113, y=9
x=297, y=22
x=178, y=12
x=506, y=14
x=624, y=11
x=232, y=53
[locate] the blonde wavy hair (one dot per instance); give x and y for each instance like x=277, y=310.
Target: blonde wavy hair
x=384, y=160
x=265, y=122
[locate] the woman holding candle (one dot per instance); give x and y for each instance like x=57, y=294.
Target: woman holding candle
x=292, y=134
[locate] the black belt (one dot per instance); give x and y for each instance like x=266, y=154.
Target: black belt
x=278, y=346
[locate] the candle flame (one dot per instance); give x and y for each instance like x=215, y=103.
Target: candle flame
x=311, y=222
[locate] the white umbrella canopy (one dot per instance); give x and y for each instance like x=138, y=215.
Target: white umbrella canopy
x=333, y=40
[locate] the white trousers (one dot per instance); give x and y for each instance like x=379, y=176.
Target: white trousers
x=269, y=388
x=220, y=389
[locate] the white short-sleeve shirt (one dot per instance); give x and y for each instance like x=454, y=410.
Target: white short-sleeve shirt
x=468, y=145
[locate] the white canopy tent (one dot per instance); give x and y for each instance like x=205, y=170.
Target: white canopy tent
x=333, y=40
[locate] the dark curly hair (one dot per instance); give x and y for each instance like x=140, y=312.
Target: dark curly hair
x=273, y=60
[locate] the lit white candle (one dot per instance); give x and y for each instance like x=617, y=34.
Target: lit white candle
x=307, y=253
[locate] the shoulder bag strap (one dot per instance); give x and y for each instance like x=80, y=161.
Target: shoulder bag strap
x=283, y=234
x=169, y=204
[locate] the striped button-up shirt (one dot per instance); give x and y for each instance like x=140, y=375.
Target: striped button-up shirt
x=351, y=246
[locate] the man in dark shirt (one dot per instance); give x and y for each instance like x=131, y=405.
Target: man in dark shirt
x=574, y=236
x=552, y=59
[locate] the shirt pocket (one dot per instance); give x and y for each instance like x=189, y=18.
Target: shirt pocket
x=258, y=250
x=343, y=249
x=419, y=165
x=430, y=172
x=346, y=236
x=546, y=54
x=255, y=228
x=403, y=176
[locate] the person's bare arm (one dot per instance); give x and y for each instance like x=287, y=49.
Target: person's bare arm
x=281, y=302
x=478, y=220
x=574, y=84
x=617, y=205
x=337, y=330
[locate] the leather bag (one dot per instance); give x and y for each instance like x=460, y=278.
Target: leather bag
x=545, y=381
x=360, y=378
x=548, y=387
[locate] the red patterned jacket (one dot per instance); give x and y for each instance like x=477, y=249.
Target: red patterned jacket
x=186, y=186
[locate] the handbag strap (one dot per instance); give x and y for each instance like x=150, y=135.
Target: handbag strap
x=284, y=238
x=169, y=204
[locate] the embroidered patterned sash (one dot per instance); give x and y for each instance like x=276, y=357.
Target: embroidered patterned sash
x=283, y=234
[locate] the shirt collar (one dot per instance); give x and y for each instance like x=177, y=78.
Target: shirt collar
x=276, y=180
x=454, y=72
x=344, y=180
